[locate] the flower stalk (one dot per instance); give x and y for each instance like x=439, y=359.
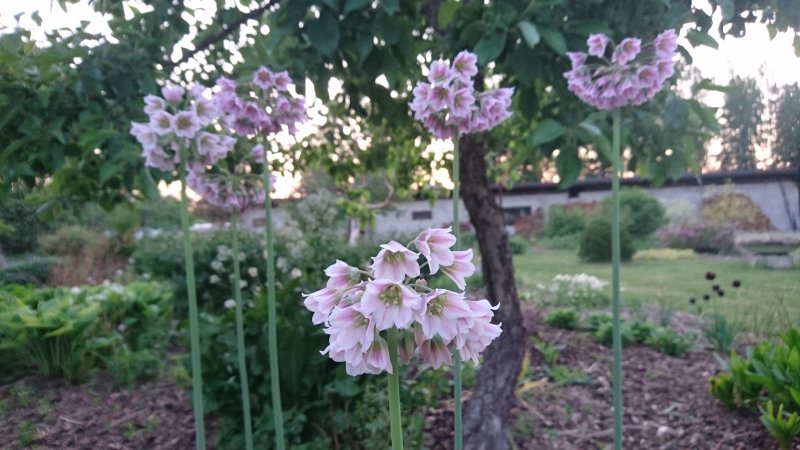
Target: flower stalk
x=194, y=319
x=394, y=392
x=457, y=432
x=615, y=291
x=237, y=292
x=272, y=336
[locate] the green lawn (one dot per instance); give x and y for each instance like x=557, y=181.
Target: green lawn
x=767, y=302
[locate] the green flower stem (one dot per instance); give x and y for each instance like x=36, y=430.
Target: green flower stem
x=194, y=318
x=272, y=337
x=237, y=293
x=615, y=302
x=394, y=393
x=457, y=355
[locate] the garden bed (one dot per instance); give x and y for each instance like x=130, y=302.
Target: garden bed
x=666, y=399
x=45, y=414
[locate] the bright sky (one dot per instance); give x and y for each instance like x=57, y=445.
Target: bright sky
x=739, y=56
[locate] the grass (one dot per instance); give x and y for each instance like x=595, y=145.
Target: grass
x=767, y=303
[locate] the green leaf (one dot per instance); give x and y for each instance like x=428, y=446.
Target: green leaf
x=323, y=33
x=595, y=136
x=727, y=7
x=547, y=131
x=706, y=115
x=447, y=12
x=490, y=47
x=554, y=39
x=569, y=165
x=352, y=5
x=390, y=6
x=529, y=32
x=697, y=38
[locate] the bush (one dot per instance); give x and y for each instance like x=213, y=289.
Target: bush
x=518, y=244
x=642, y=331
x=669, y=342
x=579, y=290
x=640, y=213
x=595, y=243
x=702, y=237
x=28, y=270
x=562, y=318
x=26, y=226
x=596, y=320
x=71, y=240
x=736, y=210
x=564, y=222
x=604, y=334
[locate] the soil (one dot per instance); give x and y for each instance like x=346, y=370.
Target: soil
x=666, y=401
x=52, y=414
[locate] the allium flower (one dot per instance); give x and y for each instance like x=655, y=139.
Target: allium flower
x=440, y=314
x=395, y=262
x=161, y=123
x=449, y=101
x=321, y=303
x=173, y=94
x=154, y=104
x=351, y=329
x=390, y=303
x=461, y=268
x=342, y=276
x=481, y=332
x=434, y=244
x=634, y=74
x=435, y=352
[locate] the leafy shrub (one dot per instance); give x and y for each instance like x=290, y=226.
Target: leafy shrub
x=784, y=427
x=562, y=318
x=571, y=242
x=640, y=212
x=595, y=244
x=596, y=320
x=669, y=342
x=642, y=331
x=128, y=367
x=518, y=244
x=736, y=210
x=28, y=270
x=604, y=334
x=720, y=332
x=702, y=237
x=25, y=225
x=579, y=290
x=70, y=240
x=564, y=222
x=67, y=332
x=769, y=371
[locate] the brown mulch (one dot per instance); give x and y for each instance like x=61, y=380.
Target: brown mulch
x=53, y=414
x=666, y=401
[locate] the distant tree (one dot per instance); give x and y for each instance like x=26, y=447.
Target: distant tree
x=741, y=122
x=786, y=126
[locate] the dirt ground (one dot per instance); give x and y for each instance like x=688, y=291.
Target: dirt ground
x=53, y=414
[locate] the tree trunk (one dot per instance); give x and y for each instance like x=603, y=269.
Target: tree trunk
x=486, y=424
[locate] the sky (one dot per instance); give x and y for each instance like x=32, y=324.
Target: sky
x=754, y=55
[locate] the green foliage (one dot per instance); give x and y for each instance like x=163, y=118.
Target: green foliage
x=23, y=226
x=28, y=270
x=596, y=242
x=702, y=237
x=564, y=223
x=562, y=318
x=595, y=321
x=63, y=332
x=720, y=332
x=640, y=212
x=669, y=342
x=128, y=367
x=744, y=106
x=736, y=210
x=604, y=334
x=70, y=240
x=518, y=244
x=642, y=331
x=784, y=427
x=786, y=117
x=768, y=372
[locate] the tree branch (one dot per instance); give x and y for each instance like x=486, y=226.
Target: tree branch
x=222, y=33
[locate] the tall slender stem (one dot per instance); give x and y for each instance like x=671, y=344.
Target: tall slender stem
x=194, y=318
x=457, y=433
x=237, y=293
x=272, y=336
x=394, y=393
x=615, y=302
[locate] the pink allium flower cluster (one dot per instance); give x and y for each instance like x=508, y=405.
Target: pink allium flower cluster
x=356, y=307
x=265, y=108
x=449, y=99
x=236, y=192
x=180, y=118
x=633, y=75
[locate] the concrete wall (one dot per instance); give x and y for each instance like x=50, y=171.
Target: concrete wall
x=681, y=201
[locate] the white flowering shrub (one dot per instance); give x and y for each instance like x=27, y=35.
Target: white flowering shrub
x=578, y=290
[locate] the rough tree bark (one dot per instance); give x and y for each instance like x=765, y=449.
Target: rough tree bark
x=486, y=424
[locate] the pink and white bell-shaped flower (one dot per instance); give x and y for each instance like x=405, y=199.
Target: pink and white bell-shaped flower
x=477, y=331
x=441, y=312
x=406, y=343
x=342, y=276
x=353, y=329
x=389, y=304
x=377, y=358
x=321, y=303
x=434, y=244
x=433, y=351
x=395, y=262
x=461, y=268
